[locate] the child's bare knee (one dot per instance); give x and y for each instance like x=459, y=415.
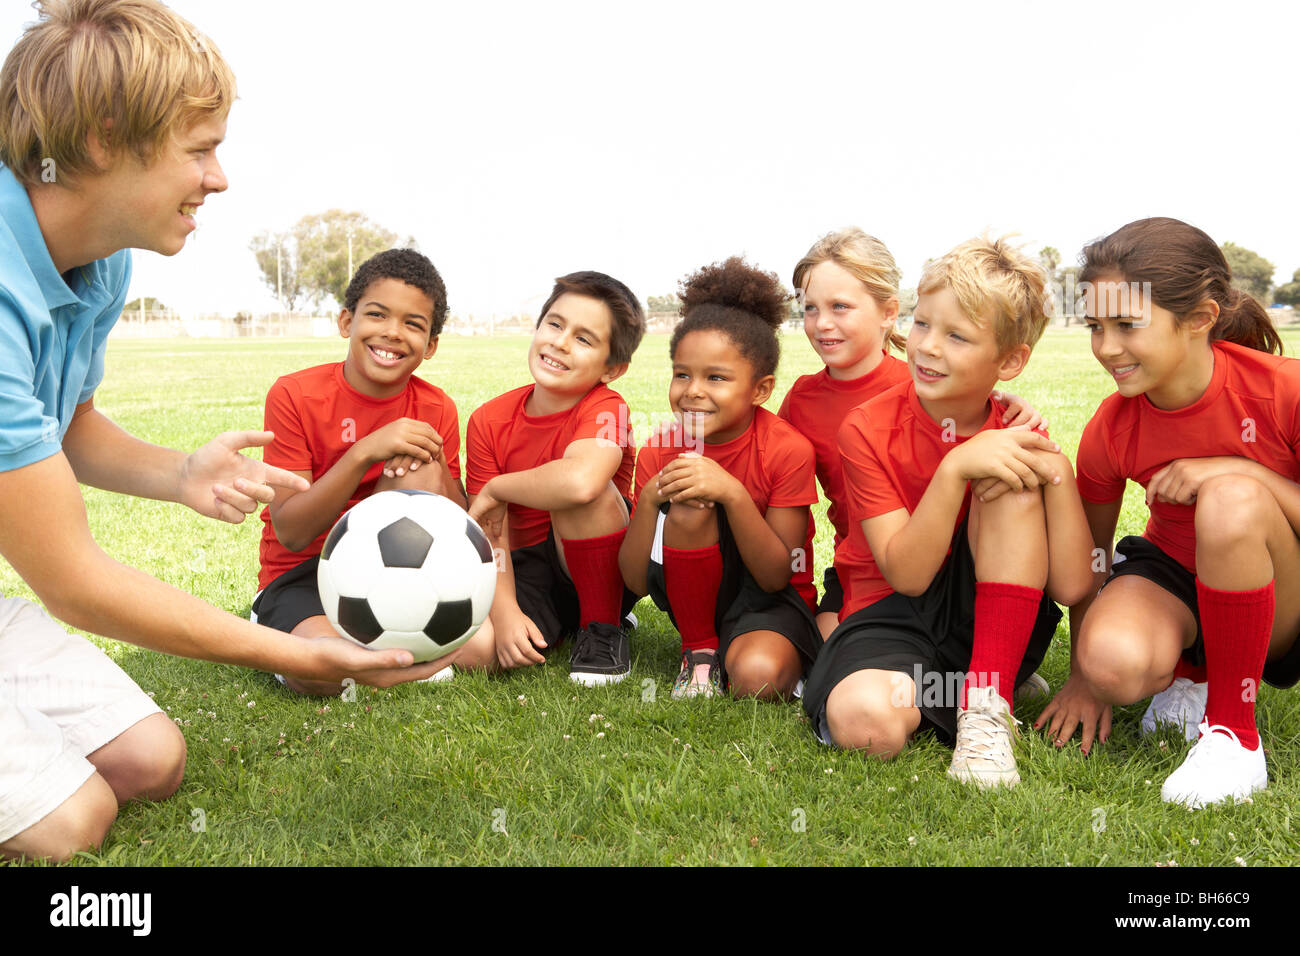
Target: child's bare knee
x=753, y=673
x=1118, y=670
x=873, y=727
x=1230, y=508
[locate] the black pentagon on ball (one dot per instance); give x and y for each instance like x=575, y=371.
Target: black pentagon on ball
x=404, y=544
x=335, y=537
x=358, y=620
x=479, y=540
x=449, y=621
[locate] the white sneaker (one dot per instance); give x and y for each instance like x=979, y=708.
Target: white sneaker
x=1181, y=705
x=1034, y=687
x=983, y=754
x=439, y=677
x=1216, y=769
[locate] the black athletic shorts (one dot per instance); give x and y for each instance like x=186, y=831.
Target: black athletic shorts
x=546, y=594
x=291, y=598
x=927, y=637
x=832, y=593
x=742, y=606
x=1137, y=555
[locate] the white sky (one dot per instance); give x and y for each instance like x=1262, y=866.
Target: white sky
x=519, y=141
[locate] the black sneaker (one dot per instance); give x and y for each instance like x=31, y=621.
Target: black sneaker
x=600, y=655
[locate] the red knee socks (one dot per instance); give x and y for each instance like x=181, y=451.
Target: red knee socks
x=593, y=565
x=1236, y=626
x=1004, y=619
x=692, y=579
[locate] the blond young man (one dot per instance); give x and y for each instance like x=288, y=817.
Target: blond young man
x=87, y=174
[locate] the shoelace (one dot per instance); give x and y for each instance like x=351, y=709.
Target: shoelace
x=985, y=735
x=1208, y=733
x=588, y=643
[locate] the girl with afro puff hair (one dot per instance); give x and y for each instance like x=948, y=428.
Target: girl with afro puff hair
x=718, y=536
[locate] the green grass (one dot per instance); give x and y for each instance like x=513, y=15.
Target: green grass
x=434, y=774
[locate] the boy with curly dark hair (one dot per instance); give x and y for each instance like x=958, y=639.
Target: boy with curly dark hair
x=353, y=428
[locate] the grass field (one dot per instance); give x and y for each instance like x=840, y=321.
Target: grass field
x=529, y=769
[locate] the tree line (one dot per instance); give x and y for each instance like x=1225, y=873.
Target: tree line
x=309, y=264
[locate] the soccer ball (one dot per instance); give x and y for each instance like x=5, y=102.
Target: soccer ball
x=407, y=569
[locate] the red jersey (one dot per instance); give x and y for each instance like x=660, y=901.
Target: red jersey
x=771, y=459
x=317, y=416
x=891, y=450
x=502, y=439
x=816, y=406
x=1251, y=409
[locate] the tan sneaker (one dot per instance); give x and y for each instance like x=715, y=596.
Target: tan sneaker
x=984, y=730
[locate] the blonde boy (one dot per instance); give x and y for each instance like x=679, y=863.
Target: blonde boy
x=952, y=596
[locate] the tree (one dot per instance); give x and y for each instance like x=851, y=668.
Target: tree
x=1251, y=272
x=664, y=303
x=1049, y=258
x=277, y=257
x=150, y=305
x=322, y=247
x=1289, y=294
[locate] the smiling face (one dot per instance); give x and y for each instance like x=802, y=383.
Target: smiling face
x=154, y=204
x=844, y=322
x=955, y=361
x=569, y=354
x=714, y=390
x=1141, y=345
x=388, y=337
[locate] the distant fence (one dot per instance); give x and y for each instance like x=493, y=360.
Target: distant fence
x=172, y=324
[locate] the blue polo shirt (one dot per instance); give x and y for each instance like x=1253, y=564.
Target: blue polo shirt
x=53, y=331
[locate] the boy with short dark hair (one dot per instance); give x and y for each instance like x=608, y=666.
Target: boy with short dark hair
x=353, y=428
x=951, y=599
x=550, y=475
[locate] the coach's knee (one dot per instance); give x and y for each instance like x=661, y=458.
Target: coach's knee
x=150, y=764
x=79, y=823
x=1230, y=509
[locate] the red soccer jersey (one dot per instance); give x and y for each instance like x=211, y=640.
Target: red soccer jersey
x=502, y=439
x=771, y=459
x=816, y=405
x=317, y=416
x=1251, y=409
x=891, y=450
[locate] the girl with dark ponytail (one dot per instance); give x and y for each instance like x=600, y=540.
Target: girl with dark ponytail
x=1207, y=419
x=722, y=495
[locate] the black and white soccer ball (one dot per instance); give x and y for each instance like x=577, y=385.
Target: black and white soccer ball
x=407, y=569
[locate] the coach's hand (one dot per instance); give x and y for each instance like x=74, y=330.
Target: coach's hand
x=218, y=482
x=336, y=658
x=1074, y=707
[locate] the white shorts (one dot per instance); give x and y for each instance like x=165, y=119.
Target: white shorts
x=61, y=698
